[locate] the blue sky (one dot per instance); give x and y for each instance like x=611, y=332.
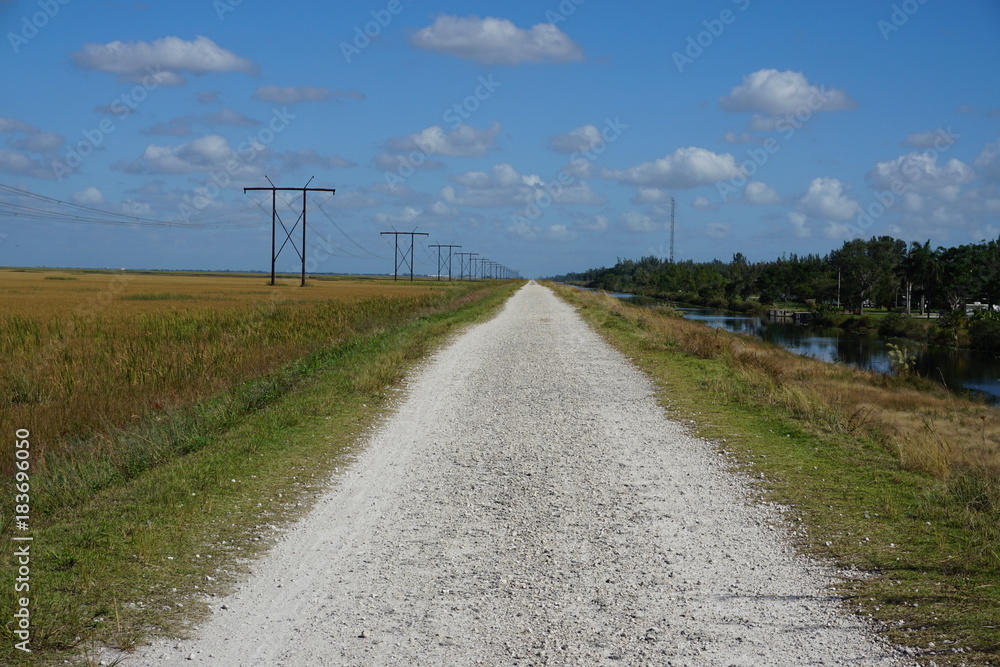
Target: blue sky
x=548, y=136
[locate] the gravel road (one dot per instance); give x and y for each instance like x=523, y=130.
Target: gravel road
x=528, y=503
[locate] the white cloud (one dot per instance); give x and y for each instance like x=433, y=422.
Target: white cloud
x=14, y=125
x=827, y=198
x=774, y=92
x=646, y=195
x=703, y=204
x=494, y=41
x=393, y=162
x=580, y=167
x=19, y=163
x=737, y=137
x=161, y=61
x=759, y=193
x=89, y=196
x=523, y=230
x=635, y=221
x=292, y=94
x=797, y=221
x=988, y=161
x=292, y=160
x=684, y=168
x=579, y=140
x=464, y=141
x=759, y=123
x=597, y=223
x=227, y=116
x=505, y=186
x=559, y=233
x=717, y=230
x=920, y=173
x=208, y=153
x=922, y=139
x=38, y=142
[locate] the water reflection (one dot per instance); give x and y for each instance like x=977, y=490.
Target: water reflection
x=958, y=368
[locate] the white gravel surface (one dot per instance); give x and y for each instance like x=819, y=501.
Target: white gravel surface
x=530, y=504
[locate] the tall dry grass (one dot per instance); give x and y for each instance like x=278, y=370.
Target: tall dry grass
x=102, y=352
x=927, y=427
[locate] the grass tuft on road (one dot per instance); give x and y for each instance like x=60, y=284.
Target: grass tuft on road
x=892, y=479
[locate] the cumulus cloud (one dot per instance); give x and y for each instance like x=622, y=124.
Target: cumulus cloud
x=38, y=142
x=646, y=195
x=774, y=92
x=505, y=186
x=636, y=221
x=684, y=168
x=717, y=230
x=827, y=198
x=797, y=221
x=292, y=94
x=494, y=41
x=14, y=125
x=463, y=141
x=294, y=160
x=579, y=140
x=597, y=223
x=759, y=193
x=18, y=163
x=925, y=139
x=34, y=139
x=162, y=61
x=89, y=196
x=211, y=152
x=920, y=173
x=703, y=204
x=412, y=216
x=393, y=162
x=227, y=116
x=988, y=161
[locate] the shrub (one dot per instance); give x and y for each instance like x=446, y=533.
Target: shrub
x=897, y=325
x=984, y=332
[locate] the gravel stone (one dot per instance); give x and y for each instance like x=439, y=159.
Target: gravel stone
x=529, y=503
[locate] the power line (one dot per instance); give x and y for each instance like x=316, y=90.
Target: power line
x=449, y=247
x=288, y=232
x=396, y=257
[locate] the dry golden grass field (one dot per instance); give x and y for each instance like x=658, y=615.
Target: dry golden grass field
x=87, y=352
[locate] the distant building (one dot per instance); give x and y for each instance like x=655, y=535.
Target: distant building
x=971, y=308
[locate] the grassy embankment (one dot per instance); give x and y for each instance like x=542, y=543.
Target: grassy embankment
x=893, y=476
x=177, y=421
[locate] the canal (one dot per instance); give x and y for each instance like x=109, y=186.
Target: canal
x=956, y=367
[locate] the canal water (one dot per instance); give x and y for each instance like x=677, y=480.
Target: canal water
x=959, y=368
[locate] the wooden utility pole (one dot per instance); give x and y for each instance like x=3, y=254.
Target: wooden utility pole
x=288, y=232
x=449, y=247
x=395, y=256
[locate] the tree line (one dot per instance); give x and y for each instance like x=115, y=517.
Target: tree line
x=882, y=272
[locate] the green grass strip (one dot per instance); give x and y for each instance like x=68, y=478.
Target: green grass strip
x=925, y=550
x=140, y=556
